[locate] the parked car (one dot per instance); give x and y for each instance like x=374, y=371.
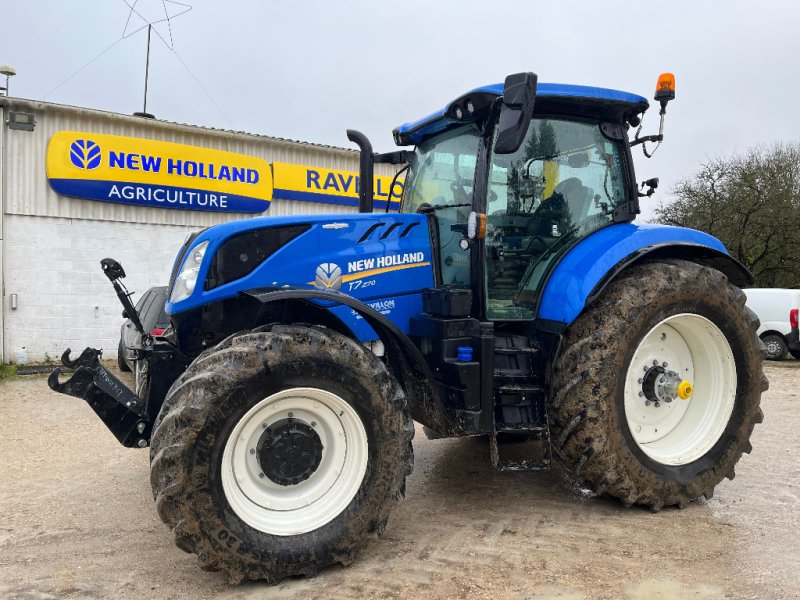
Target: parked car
x=150, y=308
x=777, y=309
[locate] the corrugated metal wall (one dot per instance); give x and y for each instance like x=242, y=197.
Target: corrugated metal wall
x=28, y=191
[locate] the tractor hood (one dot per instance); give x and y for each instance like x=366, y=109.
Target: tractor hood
x=373, y=257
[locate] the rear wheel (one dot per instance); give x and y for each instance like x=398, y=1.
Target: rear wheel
x=658, y=387
x=776, y=347
x=279, y=452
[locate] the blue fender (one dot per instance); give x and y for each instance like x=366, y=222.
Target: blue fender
x=588, y=267
x=403, y=358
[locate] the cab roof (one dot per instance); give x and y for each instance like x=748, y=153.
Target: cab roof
x=551, y=98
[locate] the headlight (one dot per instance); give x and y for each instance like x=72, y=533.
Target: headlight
x=186, y=280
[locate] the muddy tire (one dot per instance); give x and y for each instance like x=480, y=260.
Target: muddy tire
x=123, y=366
x=776, y=347
x=655, y=329
x=279, y=452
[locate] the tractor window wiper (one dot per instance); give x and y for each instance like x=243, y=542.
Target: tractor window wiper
x=435, y=207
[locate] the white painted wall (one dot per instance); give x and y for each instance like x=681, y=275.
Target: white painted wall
x=63, y=298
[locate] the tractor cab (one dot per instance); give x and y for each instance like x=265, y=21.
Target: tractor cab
x=567, y=173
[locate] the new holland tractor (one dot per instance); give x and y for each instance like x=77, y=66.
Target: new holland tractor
x=510, y=297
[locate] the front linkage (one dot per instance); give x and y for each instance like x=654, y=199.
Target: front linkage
x=127, y=416
x=121, y=410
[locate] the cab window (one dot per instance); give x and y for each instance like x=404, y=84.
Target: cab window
x=562, y=184
x=440, y=182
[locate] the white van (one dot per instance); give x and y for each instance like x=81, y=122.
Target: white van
x=777, y=309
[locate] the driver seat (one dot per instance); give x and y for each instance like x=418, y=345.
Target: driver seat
x=577, y=197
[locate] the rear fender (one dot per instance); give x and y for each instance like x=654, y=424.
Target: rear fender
x=403, y=358
x=585, y=271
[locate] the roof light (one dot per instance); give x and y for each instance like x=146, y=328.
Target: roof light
x=665, y=88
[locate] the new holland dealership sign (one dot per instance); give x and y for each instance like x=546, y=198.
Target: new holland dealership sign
x=331, y=186
x=144, y=172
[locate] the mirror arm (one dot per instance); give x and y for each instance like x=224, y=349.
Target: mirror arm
x=647, y=138
x=397, y=157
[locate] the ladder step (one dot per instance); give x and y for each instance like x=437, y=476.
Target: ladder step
x=523, y=429
x=527, y=350
x=517, y=388
x=521, y=450
x=513, y=375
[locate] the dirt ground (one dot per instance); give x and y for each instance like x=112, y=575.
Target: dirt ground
x=77, y=521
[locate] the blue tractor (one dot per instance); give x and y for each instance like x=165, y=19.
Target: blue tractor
x=511, y=297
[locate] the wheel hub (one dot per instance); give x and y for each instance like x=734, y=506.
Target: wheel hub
x=289, y=451
x=660, y=385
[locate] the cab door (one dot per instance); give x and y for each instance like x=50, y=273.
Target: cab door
x=563, y=183
x=441, y=183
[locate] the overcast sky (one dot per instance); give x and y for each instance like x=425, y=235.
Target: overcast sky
x=308, y=70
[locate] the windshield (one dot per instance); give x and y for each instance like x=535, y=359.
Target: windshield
x=442, y=171
x=440, y=180
x=563, y=183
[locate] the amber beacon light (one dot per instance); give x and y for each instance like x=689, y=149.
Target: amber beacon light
x=665, y=88
x=665, y=91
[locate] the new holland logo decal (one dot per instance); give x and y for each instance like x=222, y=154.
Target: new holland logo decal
x=329, y=277
x=85, y=154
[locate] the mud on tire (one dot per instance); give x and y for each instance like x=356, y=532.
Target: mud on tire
x=214, y=397
x=590, y=431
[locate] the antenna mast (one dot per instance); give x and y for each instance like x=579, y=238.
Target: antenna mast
x=147, y=68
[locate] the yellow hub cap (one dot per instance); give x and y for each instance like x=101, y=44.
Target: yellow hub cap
x=685, y=390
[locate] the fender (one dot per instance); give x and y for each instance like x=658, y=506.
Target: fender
x=595, y=261
x=404, y=360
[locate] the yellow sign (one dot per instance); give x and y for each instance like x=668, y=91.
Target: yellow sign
x=330, y=186
x=146, y=172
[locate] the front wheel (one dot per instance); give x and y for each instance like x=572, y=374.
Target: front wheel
x=658, y=386
x=279, y=451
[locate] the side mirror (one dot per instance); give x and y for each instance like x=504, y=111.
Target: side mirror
x=519, y=94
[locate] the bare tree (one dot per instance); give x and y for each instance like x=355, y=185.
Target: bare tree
x=751, y=202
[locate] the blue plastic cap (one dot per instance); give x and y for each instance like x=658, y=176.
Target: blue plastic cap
x=464, y=353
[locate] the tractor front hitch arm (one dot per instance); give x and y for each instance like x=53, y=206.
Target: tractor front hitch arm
x=122, y=411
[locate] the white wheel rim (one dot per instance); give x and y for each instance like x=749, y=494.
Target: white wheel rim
x=682, y=431
x=294, y=509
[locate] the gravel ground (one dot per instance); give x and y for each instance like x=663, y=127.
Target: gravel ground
x=77, y=521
